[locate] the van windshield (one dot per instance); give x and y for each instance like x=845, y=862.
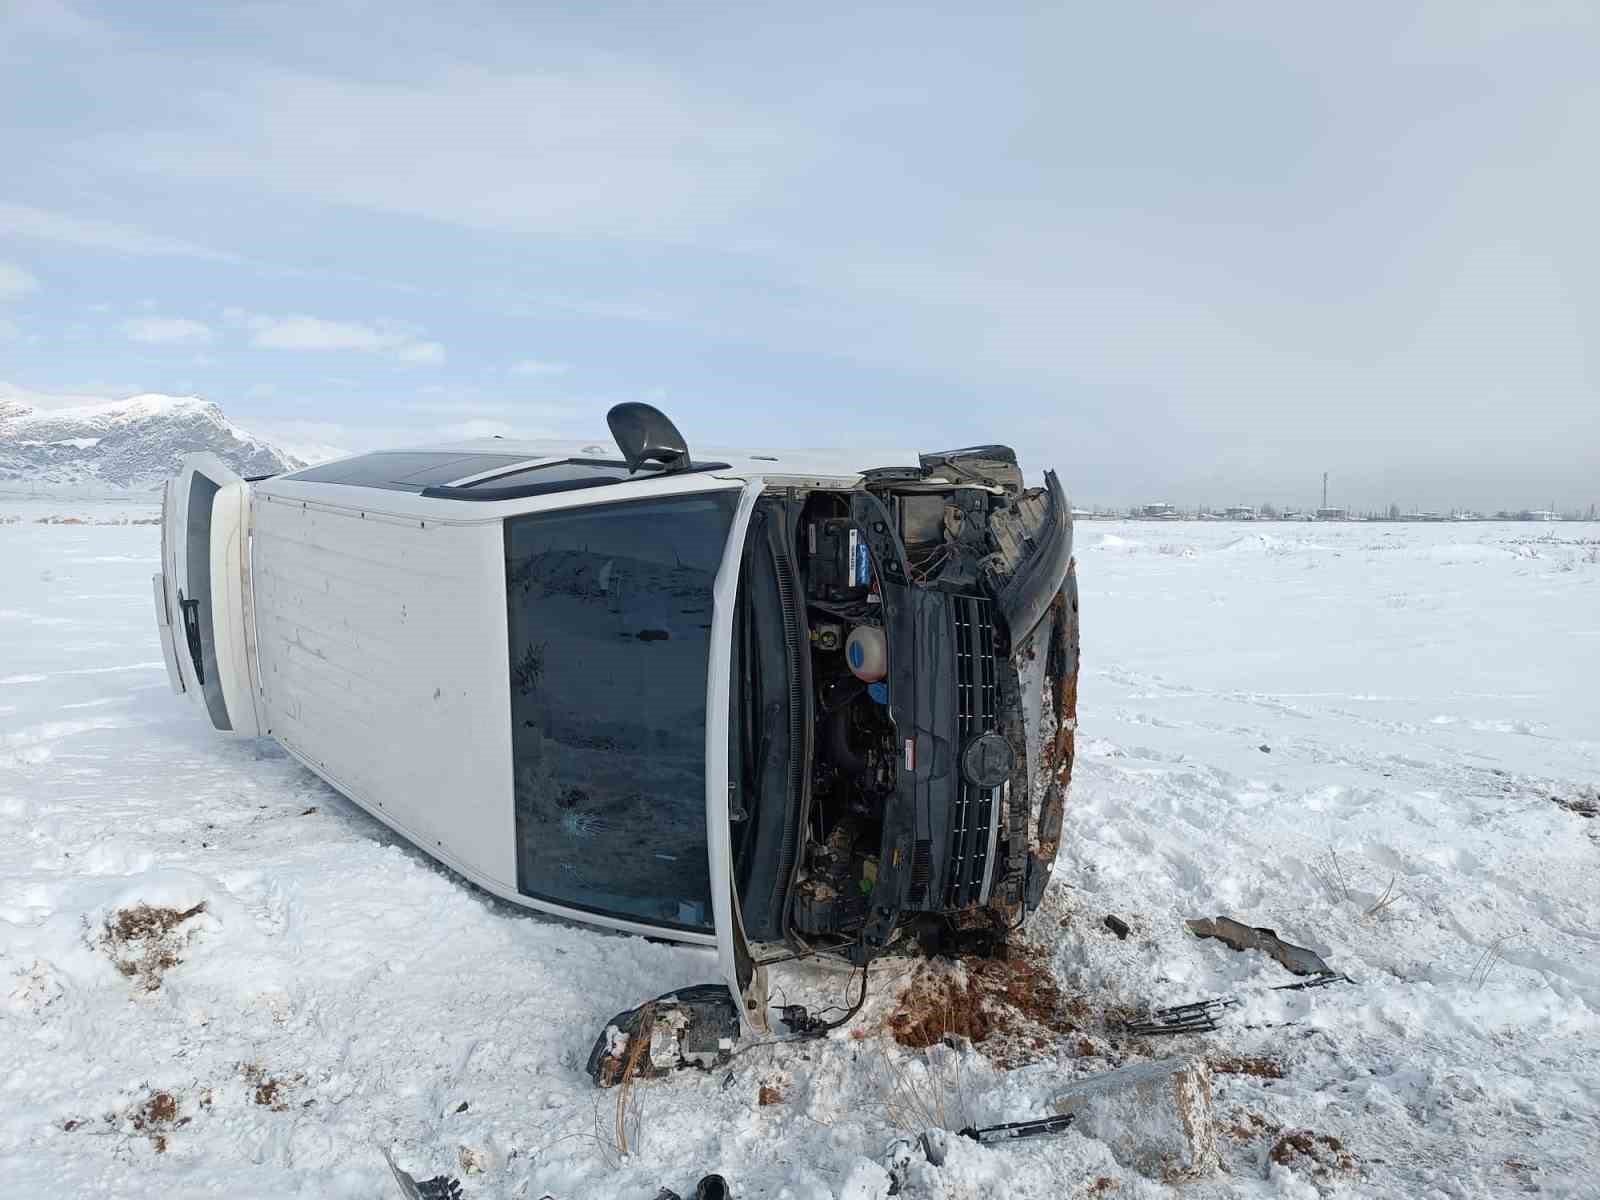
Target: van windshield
x=608, y=613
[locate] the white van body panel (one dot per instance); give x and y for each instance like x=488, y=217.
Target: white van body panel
x=382, y=644
x=381, y=637
x=231, y=607
x=187, y=510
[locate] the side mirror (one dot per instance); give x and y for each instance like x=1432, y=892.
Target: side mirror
x=644, y=434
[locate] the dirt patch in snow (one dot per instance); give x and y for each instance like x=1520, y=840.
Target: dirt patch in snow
x=156, y=1116
x=1318, y=1155
x=1260, y=1066
x=269, y=1091
x=143, y=941
x=1245, y=1124
x=1010, y=1008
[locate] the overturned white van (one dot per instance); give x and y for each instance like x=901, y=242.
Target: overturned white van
x=773, y=704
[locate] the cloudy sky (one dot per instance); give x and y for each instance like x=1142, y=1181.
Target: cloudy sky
x=1186, y=252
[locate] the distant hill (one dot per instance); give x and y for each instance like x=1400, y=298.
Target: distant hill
x=127, y=445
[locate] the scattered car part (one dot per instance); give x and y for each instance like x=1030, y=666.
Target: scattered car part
x=989, y=1135
x=1239, y=936
x=1117, y=926
x=932, y=1146
x=1201, y=1015
x=691, y=1027
x=1197, y=1017
x=440, y=1187
x=712, y=1187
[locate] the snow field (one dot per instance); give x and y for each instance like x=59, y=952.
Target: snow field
x=322, y=989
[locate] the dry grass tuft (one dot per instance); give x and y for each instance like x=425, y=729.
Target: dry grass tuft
x=1382, y=904
x=927, y=1091
x=626, y=1126
x=1487, y=960
x=1329, y=872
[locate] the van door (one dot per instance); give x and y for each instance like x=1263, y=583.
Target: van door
x=745, y=978
x=203, y=591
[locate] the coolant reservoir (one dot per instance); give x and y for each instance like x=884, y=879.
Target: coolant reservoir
x=866, y=653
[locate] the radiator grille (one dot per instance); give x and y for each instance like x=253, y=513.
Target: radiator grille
x=976, y=713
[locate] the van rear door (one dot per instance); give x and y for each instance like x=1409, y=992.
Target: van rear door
x=202, y=593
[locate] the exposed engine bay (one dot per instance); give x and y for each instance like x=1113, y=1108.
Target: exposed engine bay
x=922, y=819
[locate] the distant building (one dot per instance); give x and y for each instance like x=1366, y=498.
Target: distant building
x=1241, y=513
x=1424, y=516
x=1159, y=512
x=1333, y=514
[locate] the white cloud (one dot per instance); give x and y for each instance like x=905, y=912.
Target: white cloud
x=430, y=353
x=53, y=19
x=22, y=220
x=300, y=332
x=167, y=331
x=597, y=147
x=536, y=366
x=313, y=333
x=14, y=281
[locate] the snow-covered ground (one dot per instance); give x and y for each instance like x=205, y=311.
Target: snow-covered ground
x=1276, y=722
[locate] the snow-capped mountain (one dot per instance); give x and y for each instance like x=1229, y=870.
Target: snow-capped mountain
x=124, y=445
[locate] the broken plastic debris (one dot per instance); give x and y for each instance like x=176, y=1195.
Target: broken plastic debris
x=1246, y=937
x=440, y=1187
x=1201, y=1016
x=693, y=1026
x=712, y=1187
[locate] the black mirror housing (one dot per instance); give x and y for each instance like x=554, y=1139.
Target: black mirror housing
x=644, y=434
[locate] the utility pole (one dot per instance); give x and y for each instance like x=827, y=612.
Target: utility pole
x=1324, y=489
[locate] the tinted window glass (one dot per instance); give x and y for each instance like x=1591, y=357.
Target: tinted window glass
x=405, y=470
x=609, y=620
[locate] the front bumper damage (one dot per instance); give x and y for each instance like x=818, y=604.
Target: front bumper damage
x=960, y=854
